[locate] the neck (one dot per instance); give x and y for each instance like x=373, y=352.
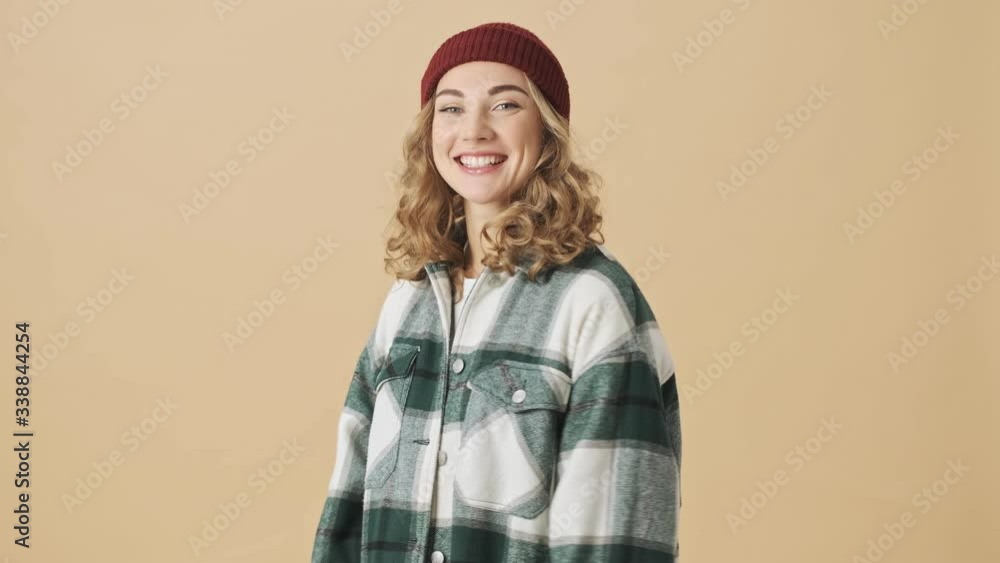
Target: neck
x=474, y=251
x=473, y=265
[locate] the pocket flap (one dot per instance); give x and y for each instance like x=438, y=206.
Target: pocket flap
x=521, y=386
x=399, y=362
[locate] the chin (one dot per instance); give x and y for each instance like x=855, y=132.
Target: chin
x=481, y=194
x=483, y=200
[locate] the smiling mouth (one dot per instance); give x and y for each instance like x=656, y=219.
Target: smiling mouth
x=480, y=162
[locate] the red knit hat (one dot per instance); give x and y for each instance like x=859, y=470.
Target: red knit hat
x=502, y=43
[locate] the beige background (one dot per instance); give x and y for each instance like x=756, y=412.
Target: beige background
x=324, y=175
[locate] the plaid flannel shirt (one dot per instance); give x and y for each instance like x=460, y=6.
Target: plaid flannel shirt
x=546, y=429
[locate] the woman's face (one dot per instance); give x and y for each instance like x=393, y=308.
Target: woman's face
x=487, y=132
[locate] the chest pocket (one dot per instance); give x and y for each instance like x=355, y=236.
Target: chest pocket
x=510, y=438
x=392, y=387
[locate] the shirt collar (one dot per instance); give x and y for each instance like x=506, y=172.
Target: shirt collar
x=522, y=264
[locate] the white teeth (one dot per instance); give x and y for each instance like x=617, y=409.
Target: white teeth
x=481, y=161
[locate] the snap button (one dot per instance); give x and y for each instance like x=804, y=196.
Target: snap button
x=442, y=457
x=519, y=396
x=437, y=557
x=457, y=365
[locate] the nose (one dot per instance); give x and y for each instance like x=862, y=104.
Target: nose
x=475, y=126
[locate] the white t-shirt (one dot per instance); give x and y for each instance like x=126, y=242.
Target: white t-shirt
x=458, y=306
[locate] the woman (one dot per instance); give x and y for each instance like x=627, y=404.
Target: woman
x=516, y=401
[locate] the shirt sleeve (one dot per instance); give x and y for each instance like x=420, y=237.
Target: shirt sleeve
x=617, y=490
x=338, y=537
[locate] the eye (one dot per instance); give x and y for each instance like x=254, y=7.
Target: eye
x=447, y=109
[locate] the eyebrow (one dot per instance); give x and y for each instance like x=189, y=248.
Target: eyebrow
x=492, y=91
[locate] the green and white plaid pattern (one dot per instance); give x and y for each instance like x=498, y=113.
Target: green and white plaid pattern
x=547, y=431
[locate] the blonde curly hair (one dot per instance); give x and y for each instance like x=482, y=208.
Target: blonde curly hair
x=551, y=219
